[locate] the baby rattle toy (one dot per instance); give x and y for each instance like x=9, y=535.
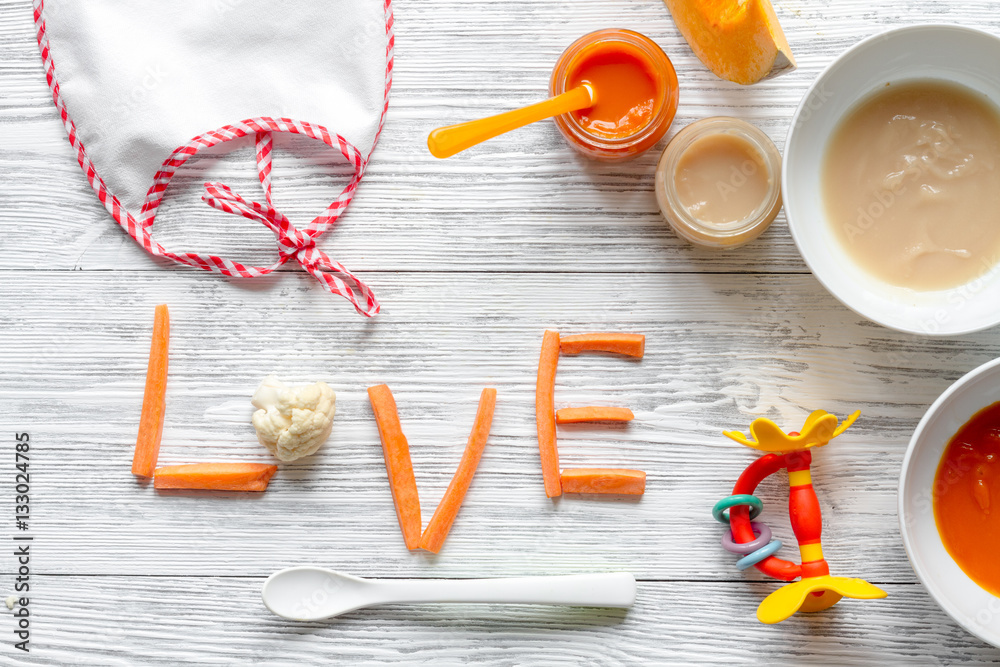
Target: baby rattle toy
x=751, y=540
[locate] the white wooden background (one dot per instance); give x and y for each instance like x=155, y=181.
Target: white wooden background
x=472, y=258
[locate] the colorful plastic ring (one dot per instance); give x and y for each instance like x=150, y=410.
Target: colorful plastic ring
x=759, y=555
x=743, y=548
x=720, y=510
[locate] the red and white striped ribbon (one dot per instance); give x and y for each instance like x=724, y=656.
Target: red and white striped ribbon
x=291, y=242
x=264, y=144
x=294, y=243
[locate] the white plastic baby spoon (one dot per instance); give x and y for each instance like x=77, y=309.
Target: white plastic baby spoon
x=315, y=593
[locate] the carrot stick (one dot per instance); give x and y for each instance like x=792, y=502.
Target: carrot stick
x=147, y=443
x=397, y=464
x=215, y=476
x=632, y=345
x=593, y=414
x=604, y=480
x=545, y=413
x=437, y=530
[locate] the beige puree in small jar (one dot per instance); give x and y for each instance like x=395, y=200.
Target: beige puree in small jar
x=721, y=179
x=718, y=182
x=911, y=184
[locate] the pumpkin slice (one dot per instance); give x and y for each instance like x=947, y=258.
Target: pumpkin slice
x=739, y=40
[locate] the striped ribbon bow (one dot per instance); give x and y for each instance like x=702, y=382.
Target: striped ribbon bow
x=295, y=243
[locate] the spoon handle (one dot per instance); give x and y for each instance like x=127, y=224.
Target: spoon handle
x=446, y=141
x=586, y=590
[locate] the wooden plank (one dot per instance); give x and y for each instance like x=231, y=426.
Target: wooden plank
x=721, y=350
x=221, y=621
x=525, y=202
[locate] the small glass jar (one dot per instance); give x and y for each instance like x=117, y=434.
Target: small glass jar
x=658, y=66
x=731, y=233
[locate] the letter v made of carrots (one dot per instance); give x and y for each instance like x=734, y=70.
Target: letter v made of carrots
x=399, y=467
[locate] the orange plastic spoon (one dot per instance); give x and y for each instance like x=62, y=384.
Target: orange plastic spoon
x=446, y=141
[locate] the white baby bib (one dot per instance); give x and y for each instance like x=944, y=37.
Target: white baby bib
x=143, y=86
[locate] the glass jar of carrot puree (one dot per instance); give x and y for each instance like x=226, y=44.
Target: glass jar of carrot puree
x=635, y=91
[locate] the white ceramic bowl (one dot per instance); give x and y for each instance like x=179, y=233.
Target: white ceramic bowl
x=972, y=607
x=961, y=55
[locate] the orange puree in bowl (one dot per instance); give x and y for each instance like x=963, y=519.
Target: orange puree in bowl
x=623, y=84
x=967, y=498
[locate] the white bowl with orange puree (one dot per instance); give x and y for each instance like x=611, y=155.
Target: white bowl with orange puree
x=891, y=179
x=930, y=477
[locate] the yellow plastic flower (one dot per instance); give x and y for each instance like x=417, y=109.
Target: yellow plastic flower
x=794, y=597
x=819, y=429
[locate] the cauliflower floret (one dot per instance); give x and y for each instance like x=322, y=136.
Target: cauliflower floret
x=293, y=422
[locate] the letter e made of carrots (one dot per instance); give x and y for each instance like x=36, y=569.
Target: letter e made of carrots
x=581, y=480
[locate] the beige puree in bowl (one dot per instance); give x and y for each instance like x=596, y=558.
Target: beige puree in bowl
x=911, y=183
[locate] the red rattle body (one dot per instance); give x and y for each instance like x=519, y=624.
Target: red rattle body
x=817, y=590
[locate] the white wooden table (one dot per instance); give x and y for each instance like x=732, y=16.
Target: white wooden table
x=473, y=258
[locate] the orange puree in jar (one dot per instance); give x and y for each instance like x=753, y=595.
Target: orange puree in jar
x=635, y=90
x=967, y=498
x=626, y=90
